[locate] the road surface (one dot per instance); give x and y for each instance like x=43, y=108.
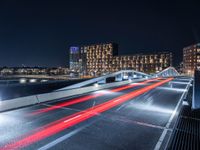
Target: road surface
x=128, y=117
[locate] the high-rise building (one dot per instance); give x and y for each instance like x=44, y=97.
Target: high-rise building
x=96, y=59
x=191, y=59
x=74, y=63
x=99, y=59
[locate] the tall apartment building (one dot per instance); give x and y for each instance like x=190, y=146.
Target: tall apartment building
x=74, y=63
x=191, y=59
x=100, y=59
x=97, y=59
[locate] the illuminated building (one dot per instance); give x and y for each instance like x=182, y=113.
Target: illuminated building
x=74, y=63
x=148, y=63
x=99, y=59
x=191, y=59
x=33, y=71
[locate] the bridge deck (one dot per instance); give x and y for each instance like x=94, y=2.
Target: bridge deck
x=127, y=117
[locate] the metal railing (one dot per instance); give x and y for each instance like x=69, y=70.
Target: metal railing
x=119, y=76
x=170, y=71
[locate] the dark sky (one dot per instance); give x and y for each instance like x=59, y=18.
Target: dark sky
x=39, y=32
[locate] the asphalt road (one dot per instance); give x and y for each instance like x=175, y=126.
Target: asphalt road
x=124, y=118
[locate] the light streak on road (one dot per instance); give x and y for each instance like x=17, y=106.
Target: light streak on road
x=88, y=97
x=69, y=121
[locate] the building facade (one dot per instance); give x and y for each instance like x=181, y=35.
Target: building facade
x=99, y=59
x=191, y=59
x=148, y=63
x=74, y=63
x=33, y=71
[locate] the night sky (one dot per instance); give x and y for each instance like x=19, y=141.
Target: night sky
x=39, y=32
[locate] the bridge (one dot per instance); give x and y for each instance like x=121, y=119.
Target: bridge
x=122, y=110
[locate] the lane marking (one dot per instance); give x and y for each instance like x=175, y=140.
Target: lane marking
x=94, y=103
x=63, y=138
x=122, y=119
x=149, y=125
x=118, y=109
x=172, y=89
x=164, y=133
x=72, y=118
x=117, y=100
x=64, y=108
x=175, y=82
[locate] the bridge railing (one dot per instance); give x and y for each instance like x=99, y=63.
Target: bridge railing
x=170, y=71
x=125, y=74
x=119, y=76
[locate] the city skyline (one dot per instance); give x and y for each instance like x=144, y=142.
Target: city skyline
x=99, y=59
x=39, y=33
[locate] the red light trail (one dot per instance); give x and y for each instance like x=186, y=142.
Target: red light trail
x=76, y=118
x=86, y=98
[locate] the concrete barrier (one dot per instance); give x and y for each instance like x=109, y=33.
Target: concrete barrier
x=35, y=99
x=18, y=102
